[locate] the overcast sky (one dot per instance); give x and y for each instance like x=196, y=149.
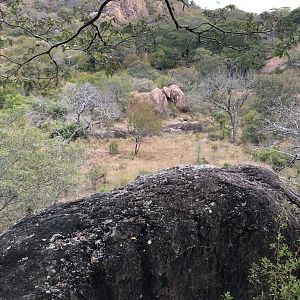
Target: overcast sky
x=257, y=6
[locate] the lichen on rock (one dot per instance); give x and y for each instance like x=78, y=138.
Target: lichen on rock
x=189, y=232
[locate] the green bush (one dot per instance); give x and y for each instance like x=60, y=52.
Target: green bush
x=97, y=176
x=219, y=129
x=113, y=148
x=271, y=156
x=71, y=131
x=276, y=278
x=226, y=165
x=163, y=58
x=251, y=128
x=56, y=111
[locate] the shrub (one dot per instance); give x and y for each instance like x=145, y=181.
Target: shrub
x=56, y=110
x=226, y=165
x=251, y=128
x=219, y=129
x=276, y=278
x=104, y=189
x=163, y=58
x=97, y=176
x=70, y=131
x=271, y=156
x=113, y=148
x=214, y=147
x=227, y=296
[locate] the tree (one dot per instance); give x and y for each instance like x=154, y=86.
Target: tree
x=80, y=99
x=271, y=87
x=90, y=104
x=143, y=121
x=229, y=93
x=102, y=39
x=35, y=171
x=286, y=125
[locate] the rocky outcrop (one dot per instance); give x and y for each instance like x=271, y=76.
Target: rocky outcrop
x=180, y=234
x=175, y=95
x=273, y=64
x=161, y=97
x=158, y=97
x=124, y=10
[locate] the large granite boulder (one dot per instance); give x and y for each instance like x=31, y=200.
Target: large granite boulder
x=180, y=234
x=158, y=98
x=176, y=95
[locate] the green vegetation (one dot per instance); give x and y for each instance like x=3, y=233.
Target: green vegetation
x=276, y=278
x=35, y=170
x=143, y=121
x=277, y=159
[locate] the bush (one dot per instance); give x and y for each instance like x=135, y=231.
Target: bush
x=71, y=131
x=163, y=58
x=97, y=176
x=143, y=121
x=56, y=111
x=113, y=148
x=271, y=156
x=251, y=128
x=219, y=129
x=226, y=165
x=277, y=278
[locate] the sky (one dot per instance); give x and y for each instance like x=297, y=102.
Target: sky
x=256, y=6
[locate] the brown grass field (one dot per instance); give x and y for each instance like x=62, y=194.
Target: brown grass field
x=156, y=153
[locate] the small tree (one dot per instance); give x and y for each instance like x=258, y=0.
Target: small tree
x=143, y=121
x=286, y=126
x=91, y=104
x=228, y=92
x=79, y=99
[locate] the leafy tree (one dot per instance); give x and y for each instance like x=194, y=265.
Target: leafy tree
x=163, y=58
x=143, y=121
x=207, y=62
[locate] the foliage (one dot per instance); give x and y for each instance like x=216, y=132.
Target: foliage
x=143, y=121
x=272, y=156
x=252, y=128
x=35, y=171
x=274, y=89
x=70, y=131
x=227, y=296
x=207, y=62
x=97, y=175
x=276, y=278
x=113, y=148
x=163, y=58
x=220, y=128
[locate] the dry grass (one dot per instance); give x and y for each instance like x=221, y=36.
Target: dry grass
x=157, y=153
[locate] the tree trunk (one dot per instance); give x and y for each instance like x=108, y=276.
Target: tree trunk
x=137, y=145
x=234, y=128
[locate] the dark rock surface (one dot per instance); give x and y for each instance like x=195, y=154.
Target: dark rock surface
x=181, y=234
